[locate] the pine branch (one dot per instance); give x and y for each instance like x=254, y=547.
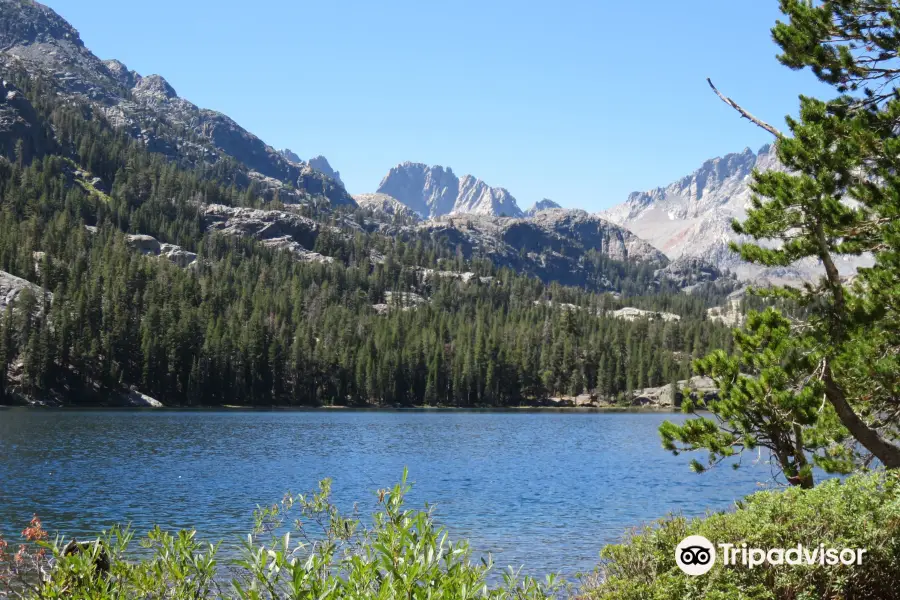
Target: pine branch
x=743, y=112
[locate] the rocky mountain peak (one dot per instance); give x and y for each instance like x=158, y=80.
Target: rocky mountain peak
x=24, y=22
x=155, y=87
x=320, y=164
x=433, y=191
x=692, y=217
x=290, y=156
x=428, y=191
x=36, y=40
x=121, y=73
x=545, y=204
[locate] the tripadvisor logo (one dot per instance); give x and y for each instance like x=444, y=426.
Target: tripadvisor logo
x=696, y=555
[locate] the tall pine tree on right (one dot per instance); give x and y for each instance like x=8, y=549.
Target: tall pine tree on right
x=821, y=387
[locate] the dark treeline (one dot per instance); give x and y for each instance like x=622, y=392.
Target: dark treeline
x=253, y=326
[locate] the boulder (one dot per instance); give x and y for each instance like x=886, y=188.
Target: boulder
x=138, y=400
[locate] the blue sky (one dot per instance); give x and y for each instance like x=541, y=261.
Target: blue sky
x=575, y=100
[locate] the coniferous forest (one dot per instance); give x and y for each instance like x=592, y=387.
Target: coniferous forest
x=250, y=325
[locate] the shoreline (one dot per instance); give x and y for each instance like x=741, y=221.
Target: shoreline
x=277, y=408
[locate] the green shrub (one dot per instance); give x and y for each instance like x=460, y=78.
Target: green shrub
x=327, y=556
x=861, y=512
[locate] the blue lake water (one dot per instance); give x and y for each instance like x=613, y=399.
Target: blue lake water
x=541, y=489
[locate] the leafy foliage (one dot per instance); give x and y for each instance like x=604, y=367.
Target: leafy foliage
x=403, y=554
x=862, y=512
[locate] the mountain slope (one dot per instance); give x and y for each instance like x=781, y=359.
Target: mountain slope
x=692, y=217
x=434, y=192
x=37, y=41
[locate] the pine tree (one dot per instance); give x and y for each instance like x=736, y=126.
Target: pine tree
x=847, y=347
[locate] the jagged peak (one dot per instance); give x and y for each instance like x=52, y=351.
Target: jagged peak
x=543, y=204
x=26, y=22
x=156, y=86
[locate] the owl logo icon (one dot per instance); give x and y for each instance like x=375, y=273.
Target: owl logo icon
x=695, y=555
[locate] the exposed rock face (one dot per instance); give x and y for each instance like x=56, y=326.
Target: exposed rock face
x=35, y=39
x=320, y=164
x=550, y=245
x=478, y=198
x=11, y=287
x=18, y=121
x=384, y=204
x=290, y=156
x=149, y=245
x=545, y=204
x=692, y=217
x=137, y=399
x=730, y=314
x=275, y=228
x=433, y=192
x=633, y=314
x=663, y=397
x=689, y=271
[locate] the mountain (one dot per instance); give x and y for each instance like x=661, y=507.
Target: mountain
x=555, y=245
x=384, y=204
x=692, y=217
x=320, y=164
x=434, y=192
x=545, y=204
x=38, y=43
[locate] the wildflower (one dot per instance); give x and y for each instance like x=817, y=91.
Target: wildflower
x=35, y=531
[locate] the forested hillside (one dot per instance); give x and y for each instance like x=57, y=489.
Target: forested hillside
x=386, y=315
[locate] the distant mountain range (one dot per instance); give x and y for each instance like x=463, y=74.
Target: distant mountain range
x=688, y=219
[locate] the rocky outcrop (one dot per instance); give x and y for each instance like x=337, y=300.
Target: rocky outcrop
x=384, y=205
x=274, y=228
x=545, y=204
x=149, y=245
x=11, y=287
x=634, y=314
x=666, y=397
x=688, y=271
x=550, y=245
x=136, y=399
x=34, y=39
x=434, y=192
x=261, y=224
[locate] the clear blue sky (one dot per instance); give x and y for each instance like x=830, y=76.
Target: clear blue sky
x=581, y=101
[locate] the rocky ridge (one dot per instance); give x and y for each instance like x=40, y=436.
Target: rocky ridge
x=37, y=41
x=691, y=217
x=435, y=191
x=545, y=204
x=551, y=245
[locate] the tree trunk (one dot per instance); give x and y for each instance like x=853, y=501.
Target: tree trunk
x=886, y=452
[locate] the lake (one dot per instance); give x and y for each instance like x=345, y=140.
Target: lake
x=541, y=489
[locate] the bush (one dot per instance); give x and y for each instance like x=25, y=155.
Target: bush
x=403, y=554
x=860, y=512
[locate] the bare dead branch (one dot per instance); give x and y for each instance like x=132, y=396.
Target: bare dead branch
x=743, y=112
